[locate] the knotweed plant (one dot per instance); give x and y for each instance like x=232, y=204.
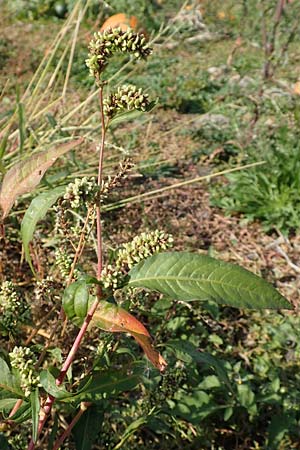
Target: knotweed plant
x=29, y=384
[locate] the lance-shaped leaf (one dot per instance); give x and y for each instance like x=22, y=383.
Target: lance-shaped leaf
x=35, y=212
x=188, y=276
x=112, y=318
x=9, y=385
x=25, y=175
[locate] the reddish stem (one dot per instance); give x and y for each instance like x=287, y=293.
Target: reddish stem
x=83, y=407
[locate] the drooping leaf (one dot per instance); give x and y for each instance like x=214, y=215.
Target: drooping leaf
x=25, y=175
x=112, y=318
x=9, y=386
x=35, y=212
x=35, y=411
x=48, y=382
x=110, y=382
x=188, y=276
x=86, y=430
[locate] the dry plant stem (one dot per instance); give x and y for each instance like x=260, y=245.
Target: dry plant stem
x=83, y=407
x=50, y=399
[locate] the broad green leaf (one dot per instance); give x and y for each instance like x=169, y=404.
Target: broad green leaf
x=77, y=300
x=9, y=386
x=188, y=276
x=35, y=411
x=25, y=175
x=35, y=212
x=49, y=384
x=109, y=382
x=246, y=396
x=86, y=430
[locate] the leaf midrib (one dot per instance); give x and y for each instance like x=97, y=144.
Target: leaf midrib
x=178, y=278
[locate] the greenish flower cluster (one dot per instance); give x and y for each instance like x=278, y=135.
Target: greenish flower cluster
x=23, y=360
x=43, y=289
x=141, y=247
x=64, y=263
x=128, y=97
x=13, y=310
x=81, y=190
x=111, y=41
x=113, y=182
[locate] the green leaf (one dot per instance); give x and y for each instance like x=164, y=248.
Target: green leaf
x=25, y=175
x=9, y=386
x=35, y=411
x=109, y=382
x=76, y=301
x=35, y=212
x=48, y=382
x=246, y=396
x=86, y=430
x=188, y=352
x=22, y=414
x=188, y=276
x=7, y=404
x=130, y=430
x=280, y=425
x=3, y=442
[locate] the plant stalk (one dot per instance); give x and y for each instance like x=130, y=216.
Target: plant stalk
x=50, y=399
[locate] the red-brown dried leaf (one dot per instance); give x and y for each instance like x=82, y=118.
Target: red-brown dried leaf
x=112, y=318
x=24, y=176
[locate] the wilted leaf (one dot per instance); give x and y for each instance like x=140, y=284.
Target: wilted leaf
x=112, y=318
x=296, y=88
x=25, y=175
x=189, y=276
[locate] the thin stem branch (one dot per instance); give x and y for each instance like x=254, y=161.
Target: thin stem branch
x=83, y=407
